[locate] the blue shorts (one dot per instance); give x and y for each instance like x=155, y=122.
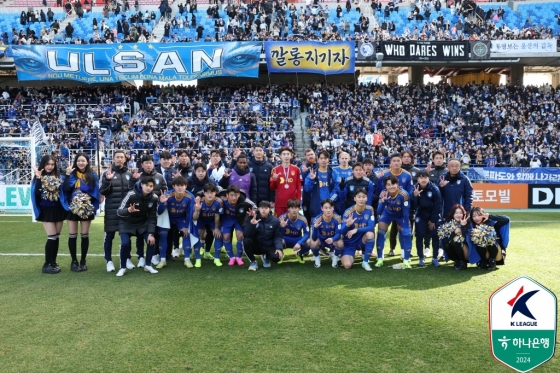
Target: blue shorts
x=291, y=241
x=404, y=222
x=351, y=250
x=206, y=224
x=229, y=225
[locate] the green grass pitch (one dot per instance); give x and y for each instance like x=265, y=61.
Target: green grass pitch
x=290, y=318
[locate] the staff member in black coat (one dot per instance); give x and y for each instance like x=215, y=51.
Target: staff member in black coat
x=138, y=217
x=261, y=169
x=263, y=236
x=114, y=186
x=184, y=164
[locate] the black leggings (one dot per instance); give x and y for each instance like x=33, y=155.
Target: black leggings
x=252, y=248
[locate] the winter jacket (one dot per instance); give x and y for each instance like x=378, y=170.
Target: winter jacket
x=142, y=221
x=262, y=170
x=160, y=185
x=114, y=191
x=428, y=203
x=187, y=172
x=458, y=190
x=167, y=174
x=413, y=171
x=195, y=185
x=266, y=233
x=436, y=173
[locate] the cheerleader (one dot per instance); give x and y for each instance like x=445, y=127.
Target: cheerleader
x=453, y=234
x=49, y=208
x=81, y=186
x=489, y=236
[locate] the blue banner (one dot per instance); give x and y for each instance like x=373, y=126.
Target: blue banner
x=109, y=63
x=514, y=175
x=310, y=57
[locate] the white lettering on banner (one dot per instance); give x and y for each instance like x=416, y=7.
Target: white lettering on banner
x=129, y=62
x=395, y=50
x=423, y=50
x=200, y=56
x=453, y=50
x=89, y=66
x=547, y=194
x=491, y=195
x=168, y=61
x=73, y=62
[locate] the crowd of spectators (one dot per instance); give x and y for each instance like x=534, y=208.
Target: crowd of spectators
x=481, y=124
x=263, y=20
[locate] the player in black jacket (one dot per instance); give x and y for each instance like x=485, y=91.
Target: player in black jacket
x=114, y=186
x=138, y=217
x=263, y=236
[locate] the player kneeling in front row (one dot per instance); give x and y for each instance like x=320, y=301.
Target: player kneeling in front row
x=263, y=236
x=326, y=233
x=178, y=205
x=295, y=230
x=207, y=212
x=138, y=217
x=394, y=205
x=358, y=224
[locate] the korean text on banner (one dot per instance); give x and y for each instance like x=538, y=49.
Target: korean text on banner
x=109, y=63
x=500, y=196
x=310, y=57
x=520, y=48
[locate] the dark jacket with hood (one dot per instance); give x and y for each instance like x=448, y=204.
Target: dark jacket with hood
x=142, y=221
x=262, y=170
x=266, y=233
x=160, y=185
x=114, y=191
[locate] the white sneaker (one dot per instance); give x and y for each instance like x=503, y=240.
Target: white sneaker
x=110, y=267
x=366, y=266
x=175, y=253
x=141, y=262
x=427, y=252
x=150, y=269
x=129, y=264
x=317, y=260
x=440, y=254
x=155, y=260
x=121, y=272
x=188, y=263
x=335, y=261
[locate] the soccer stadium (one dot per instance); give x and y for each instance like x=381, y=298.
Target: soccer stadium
x=279, y=186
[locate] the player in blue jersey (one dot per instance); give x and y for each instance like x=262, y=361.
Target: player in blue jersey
x=394, y=206
x=207, y=212
x=405, y=182
x=179, y=206
x=326, y=233
x=358, y=231
x=295, y=230
x=342, y=172
x=230, y=222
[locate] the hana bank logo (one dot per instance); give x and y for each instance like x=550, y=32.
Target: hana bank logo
x=519, y=305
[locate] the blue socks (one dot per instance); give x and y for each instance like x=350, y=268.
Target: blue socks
x=163, y=243
x=239, y=247
x=380, y=243
x=368, y=249
x=229, y=248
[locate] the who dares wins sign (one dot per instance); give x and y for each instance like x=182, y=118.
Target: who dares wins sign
x=416, y=50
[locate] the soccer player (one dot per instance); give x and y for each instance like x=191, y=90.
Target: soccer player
x=295, y=230
x=320, y=184
x=263, y=237
x=180, y=206
x=394, y=205
x=80, y=183
x=242, y=177
x=358, y=224
x=342, y=172
x=309, y=164
x=286, y=181
x=405, y=182
x=196, y=185
x=207, y=212
x=427, y=202
x=326, y=233
x=138, y=217
x=49, y=207
x=114, y=186
x=230, y=218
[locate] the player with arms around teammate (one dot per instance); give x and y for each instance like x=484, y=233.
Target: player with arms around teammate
x=320, y=184
x=358, y=231
x=179, y=205
x=326, y=233
x=295, y=230
x=285, y=180
x=427, y=201
x=114, y=186
x=394, y=206
x=206, y=213
x=138, y=217
x=49, y=207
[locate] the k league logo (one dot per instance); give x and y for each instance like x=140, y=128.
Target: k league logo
x=522, y=320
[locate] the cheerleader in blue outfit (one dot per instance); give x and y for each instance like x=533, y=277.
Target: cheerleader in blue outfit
x=489, y=237
x=81, y=187
x=49, y=207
